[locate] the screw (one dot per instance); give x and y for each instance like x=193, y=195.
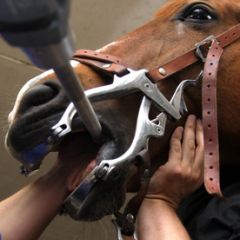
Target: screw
x=107, y=65
x=102, y=171
x=146, y=173
x=162, y=71
x=130, y=218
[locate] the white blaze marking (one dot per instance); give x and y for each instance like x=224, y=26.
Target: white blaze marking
x=180, y=29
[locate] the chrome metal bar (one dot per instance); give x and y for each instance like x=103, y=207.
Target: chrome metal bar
x=75, y=92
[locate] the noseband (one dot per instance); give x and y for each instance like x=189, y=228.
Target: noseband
x=127, y=81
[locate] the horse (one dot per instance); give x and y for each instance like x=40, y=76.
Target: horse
x=174, y=30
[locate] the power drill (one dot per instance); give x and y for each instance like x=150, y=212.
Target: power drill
x=41, y=30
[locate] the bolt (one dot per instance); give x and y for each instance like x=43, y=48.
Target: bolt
x=146, y=173
x=102, y=171
x=130, y=218
x=107, y=65
x=162, y=71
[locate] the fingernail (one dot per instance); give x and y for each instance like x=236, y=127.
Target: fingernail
x=180, y=131
x=199, y=122
x=192, y=117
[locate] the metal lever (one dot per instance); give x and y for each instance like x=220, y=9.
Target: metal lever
x=63, y=127
x=178, y=100
x=133, y=82
x=145, y=129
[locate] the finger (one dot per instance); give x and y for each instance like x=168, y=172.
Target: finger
x=189, y=145
x=199, y=154
x=175, y=152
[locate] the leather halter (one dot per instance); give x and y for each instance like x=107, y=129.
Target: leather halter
x=209, y=51
x=213, y=49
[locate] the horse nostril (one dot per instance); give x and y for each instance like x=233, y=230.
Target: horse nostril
x=39, y=95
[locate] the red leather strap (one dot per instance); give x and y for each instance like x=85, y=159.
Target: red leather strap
x=209, y=116
x=229, y=36
x=190, y=57
x=90, y=54
x=104, y=63
x=173, y=66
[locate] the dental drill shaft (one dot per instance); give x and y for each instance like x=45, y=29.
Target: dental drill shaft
x=75, y=92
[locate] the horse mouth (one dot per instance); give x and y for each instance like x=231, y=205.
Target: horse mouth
x=79, y=149
x=79, y=145
x=102, y=198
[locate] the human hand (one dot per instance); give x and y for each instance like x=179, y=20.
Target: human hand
x=183, y=173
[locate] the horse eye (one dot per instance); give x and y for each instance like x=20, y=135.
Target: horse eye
x=199, y=14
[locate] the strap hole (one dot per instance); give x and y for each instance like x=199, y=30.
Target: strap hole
x=209, y=126
x=85, y=51
x=118, y=61
x=209, y=85
x=210, y=154
x=209, y=74
x=216, y=48
x=211, y=64
x=211, y=179
x=209, y=100
x=226, y=37
x=208, y=112
x=210, y=140
x=107, y=56
x=211, y=167
x=213, y=55
x=234, y=34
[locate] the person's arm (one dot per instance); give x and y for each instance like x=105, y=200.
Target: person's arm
x=178, y=178
x=158, y=220
x=27, y=213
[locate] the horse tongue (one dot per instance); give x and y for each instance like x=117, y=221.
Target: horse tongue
x=77, y=154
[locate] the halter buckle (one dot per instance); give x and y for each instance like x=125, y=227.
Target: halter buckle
x=202, y=47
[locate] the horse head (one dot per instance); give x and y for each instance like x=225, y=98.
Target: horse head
x=174, y=30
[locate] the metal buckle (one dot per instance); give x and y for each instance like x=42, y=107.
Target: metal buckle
x=119, y=233
x=199, y=50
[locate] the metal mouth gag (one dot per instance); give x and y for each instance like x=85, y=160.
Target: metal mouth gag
x=134, y=81
x=145, y=129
